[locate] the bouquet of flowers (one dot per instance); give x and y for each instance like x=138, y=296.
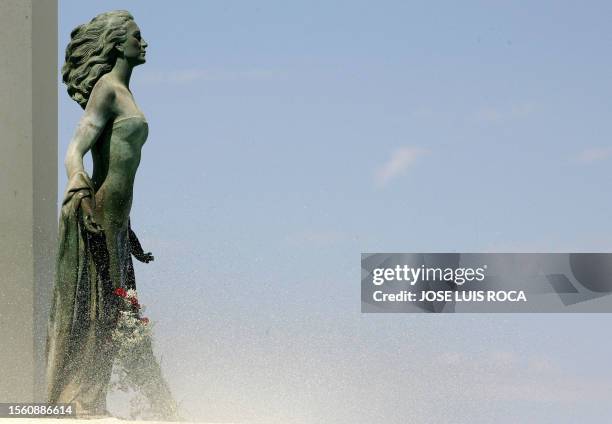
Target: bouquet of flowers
x=136, y=369
x=131, y=330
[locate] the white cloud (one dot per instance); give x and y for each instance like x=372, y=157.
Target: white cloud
x=398, y=164
x=594, y=154
x=186, y=76
x=317, y=238
x=495, y=115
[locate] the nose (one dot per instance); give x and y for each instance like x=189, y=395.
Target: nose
x=143, y=43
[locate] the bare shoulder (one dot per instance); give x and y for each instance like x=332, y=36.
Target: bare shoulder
x=104, y=90
x=101, y=104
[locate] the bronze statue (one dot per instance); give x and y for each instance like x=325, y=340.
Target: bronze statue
x=96, y=240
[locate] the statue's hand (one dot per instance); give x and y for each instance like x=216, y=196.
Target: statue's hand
x=88, y=220
x=144, y=257
x=136, y=249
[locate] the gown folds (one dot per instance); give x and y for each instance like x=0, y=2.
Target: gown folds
x=79, y=348
x=84, y=313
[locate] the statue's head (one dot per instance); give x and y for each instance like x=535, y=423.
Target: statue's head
x=95, y=47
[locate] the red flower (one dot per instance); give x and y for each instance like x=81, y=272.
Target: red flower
x=144, y=320
x=120, y=292
x=134, y=302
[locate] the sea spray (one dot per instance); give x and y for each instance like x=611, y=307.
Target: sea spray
x=136, y=370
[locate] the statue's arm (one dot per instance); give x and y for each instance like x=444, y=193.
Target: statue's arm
x=136, y=247
x=98, y=111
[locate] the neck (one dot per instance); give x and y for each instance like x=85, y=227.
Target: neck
x=122, y=71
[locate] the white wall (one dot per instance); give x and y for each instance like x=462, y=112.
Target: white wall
x=28, y=191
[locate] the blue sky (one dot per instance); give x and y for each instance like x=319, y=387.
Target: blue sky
x=288, y=137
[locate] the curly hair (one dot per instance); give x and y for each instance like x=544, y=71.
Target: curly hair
x=91, y=52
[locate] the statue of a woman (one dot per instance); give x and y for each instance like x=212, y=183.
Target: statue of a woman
x=96, y=242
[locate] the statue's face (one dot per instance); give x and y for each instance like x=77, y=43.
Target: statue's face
x=134, y=46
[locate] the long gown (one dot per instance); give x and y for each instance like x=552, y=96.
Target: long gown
x=84, y=310
x=84, y=313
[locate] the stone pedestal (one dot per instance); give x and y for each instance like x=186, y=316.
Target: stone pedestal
x=28, y=191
